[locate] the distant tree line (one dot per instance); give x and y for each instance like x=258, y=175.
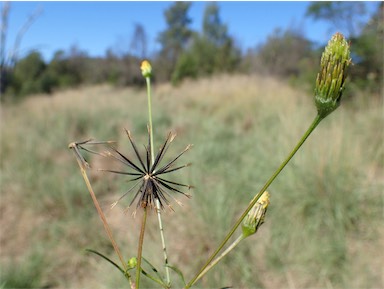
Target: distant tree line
x=185, y=53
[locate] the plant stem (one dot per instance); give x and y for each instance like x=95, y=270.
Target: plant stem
x=163, y=242
x=158, y=209
x=103, y=219
x=140, y=248
x=222, y=255
x=313, y=125
x=148, y=81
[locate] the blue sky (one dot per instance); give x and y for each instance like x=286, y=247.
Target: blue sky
x=96, y=26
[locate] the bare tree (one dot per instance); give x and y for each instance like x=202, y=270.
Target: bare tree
x=3, y=37
x=27, y=24
x=8, y=60
x=138, y=45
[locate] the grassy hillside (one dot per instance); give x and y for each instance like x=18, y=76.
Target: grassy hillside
x=323, y=228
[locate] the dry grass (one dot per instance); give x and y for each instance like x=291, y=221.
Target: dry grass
x=322, y=226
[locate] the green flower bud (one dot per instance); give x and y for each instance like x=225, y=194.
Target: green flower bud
x=330, y=80
x=146, y=68
x=132, y=263
x=255, y=217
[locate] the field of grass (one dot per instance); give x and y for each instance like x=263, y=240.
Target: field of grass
x=323, y=228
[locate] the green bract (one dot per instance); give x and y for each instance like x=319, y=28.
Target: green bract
x=255, y=217
x=331, y=78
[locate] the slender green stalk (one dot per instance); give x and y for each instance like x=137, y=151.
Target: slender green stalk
x=311, y=128
x=158, y=209
x=140, y=247
x=148, y=81
x=222, y=255
x=144, y=220
x=163, y=242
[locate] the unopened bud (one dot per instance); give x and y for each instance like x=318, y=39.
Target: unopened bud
x=330, y=80
x=256, y=216
x=132, y=263
x=146, y=68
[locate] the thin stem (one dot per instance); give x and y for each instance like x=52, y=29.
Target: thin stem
x=103, y=219
x=314, y=124
x=140, y=248
x=148, y=81
x=222, y=255
x=163, y=242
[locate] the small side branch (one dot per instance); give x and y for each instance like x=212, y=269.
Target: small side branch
x=83, y=164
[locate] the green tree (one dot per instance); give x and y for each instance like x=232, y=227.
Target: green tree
x=214, y=30
x=27, y=73
x=346, y=17
x=225, y=54
x=213, y=51
x=366, y=38
x=368, y=48
x=68, y=69
x=175, y=37
x=284, y=54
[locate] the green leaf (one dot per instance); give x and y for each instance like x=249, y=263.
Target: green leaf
x=154, y=270
x=178, y=271
x=106, y=258
x=158, y=281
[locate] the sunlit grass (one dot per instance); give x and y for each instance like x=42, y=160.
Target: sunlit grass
x=322, y=226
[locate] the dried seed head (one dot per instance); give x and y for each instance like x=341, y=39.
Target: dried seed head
x=330, y=80
x=146, y=68
x=256, y=216
x=149, y=175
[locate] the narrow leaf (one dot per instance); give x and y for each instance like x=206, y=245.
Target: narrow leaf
x=178, y=272
x=106, y=258
x=153, y=268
